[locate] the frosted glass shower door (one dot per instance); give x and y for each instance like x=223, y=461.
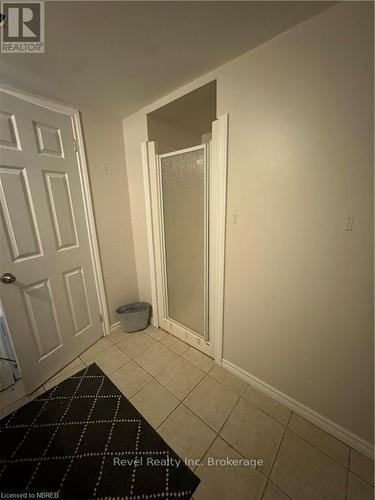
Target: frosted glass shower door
x=184, y=214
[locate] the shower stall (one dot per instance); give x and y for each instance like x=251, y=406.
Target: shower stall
x=185, y=193
x=184, y=190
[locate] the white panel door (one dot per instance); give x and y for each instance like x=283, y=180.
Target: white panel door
x=52, y=307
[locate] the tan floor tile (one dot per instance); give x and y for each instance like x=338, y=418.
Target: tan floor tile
x=362, y=466
x=175, y=344
x=156, y=358
x=73, y=364
x=267, y=404
x=154, y=402
x=118, y=335
x=212, y=402
x=228, y=379
x=253, y=433
x=180, y=377
x=110, y=360
x=358, y=489
x=67, y=373
x=321, y=439
x=227, y=482
x=20, y=402
x=304, y=473
x=130, y=378
x=273, y=493
x=100, y=346
x=199, y=359
x=136, y=343
x=156, y=333
x=186, y=434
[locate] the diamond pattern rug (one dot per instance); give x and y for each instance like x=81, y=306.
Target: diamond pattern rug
x=84, y=439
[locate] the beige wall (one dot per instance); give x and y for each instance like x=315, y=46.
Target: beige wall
x=298, y=287
x=135, y=132
x=170, y=137
x=108, y=179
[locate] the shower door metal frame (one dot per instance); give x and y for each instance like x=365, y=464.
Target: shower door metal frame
x=169, y=323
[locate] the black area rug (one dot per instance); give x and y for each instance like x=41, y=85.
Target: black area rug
x=84, y=439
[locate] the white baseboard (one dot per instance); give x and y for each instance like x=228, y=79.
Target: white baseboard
x=115, y=326
x=324, y=423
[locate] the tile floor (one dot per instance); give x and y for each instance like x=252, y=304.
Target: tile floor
x=210, y=416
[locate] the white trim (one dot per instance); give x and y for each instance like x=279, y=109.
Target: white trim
x=161, y=274
x=83, y=172
x=40, y=101
x=156, y=242
x=182, y=151
x=118, y=326
x=146, y=154
x=324, y=423
x=187, y=336
x=115, y=326
x=206, y=218
x=219, y=162
x=89, y=212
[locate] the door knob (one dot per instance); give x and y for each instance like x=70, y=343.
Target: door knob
x=8, y=278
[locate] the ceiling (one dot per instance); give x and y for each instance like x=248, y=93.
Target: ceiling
x=119, y=56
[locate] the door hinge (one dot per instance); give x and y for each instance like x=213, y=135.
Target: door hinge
x=101, y=318
x=75, y=145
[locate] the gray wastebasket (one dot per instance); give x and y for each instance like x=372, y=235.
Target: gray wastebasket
x=134, y=317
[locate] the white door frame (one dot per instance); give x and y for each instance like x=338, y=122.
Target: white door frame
x=75, y=118
x=218, y=194
x=149, y=162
